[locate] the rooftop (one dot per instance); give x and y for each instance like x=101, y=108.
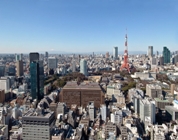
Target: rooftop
x=154, y=86
x=159, y=100
x=171, y=108
x=84, y=85
x=38, y=113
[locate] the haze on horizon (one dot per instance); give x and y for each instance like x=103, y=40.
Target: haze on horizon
x=87, y=26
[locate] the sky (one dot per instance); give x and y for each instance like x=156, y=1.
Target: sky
x=87, y=25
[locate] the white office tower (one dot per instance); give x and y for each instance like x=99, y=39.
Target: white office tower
x=117, y=117
x=150, y=51
x=115, y=52
x=103, y=112
x=5, y=83
x=52, y=63
x=91, y=111
x=147, y=111
x=83, y=67
x=73, y=66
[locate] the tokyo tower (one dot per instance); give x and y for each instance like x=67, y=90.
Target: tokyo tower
x=125, y=64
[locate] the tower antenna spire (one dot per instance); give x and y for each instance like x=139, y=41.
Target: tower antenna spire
x=125, y=64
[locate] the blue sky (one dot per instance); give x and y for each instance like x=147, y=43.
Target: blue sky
x=87, y=25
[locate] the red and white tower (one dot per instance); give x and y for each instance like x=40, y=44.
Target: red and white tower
x=125, y=64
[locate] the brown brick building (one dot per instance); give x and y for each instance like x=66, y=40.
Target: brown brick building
x=82, y=94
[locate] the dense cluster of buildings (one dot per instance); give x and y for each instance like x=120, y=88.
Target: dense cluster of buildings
x=110, y=105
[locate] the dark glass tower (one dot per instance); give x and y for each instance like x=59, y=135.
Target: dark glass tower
x=166, y=55
x=37, y=76
x=34, y=56
x=34, y=72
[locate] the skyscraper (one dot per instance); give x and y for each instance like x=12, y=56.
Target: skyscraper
x=17, y=57
x=2, y=70
x=34, y=72
x=73, y=66
x=166, y=55
x=115, y=52
x=52, y=63
x=150, y=51
x=37, y=76
x=19, y=66
x=83, y=67
x=46, y=54
x=34, y=56
x=21, y=56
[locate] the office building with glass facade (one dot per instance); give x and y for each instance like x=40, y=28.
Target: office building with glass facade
x=166, y=55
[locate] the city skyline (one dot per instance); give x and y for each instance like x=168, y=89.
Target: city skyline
x=86, y=26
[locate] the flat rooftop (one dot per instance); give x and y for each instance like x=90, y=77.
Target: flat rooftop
x=84, y=85
x=171, y=108
x=154, y=86
x=159, y=100
x=34, y=113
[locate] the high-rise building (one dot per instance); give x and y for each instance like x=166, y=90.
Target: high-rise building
x=37, y=80
x=34, y=73
x=150, y=51
x=166, y=55
x=147, y=110
x=21, y=57
x=107, y=55
x=83, y=67
x=19, y=66
x=2, y=70
x=46, y=54
x=153, y=61
x=37, y=76
x=17, y=57
x=52, y=63
x=37, y=125
x=157, y=53
x=115, y=52
x=73, y=66
x=161, y=60
x=34, y=56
